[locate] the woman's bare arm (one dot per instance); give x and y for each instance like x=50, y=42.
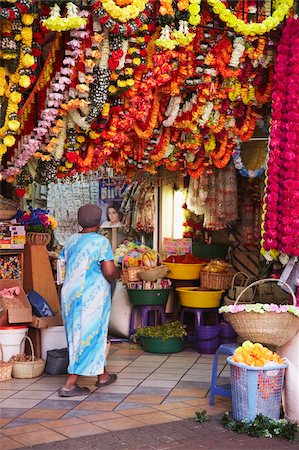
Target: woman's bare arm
x=109, y=270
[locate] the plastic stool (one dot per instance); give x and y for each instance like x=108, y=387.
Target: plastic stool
x=224, y=349
x=198, y=316
x=145, y=318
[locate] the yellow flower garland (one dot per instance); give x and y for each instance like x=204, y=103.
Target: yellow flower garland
x=252, y=29
x=126, y=13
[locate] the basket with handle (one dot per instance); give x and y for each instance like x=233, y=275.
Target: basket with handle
x=153, y=273
x=5, y=368
x=239, y=282
x=130, y=274
x=28, y=369
x=269, y=327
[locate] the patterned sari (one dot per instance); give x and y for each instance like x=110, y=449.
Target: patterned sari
x=85, y=302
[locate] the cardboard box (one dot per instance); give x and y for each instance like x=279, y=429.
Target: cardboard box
x=45, y=322
x=18, y=312
x=12, y=236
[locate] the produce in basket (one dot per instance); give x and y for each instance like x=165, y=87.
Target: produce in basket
x=22, y=357
x=255, y=355
x=217, y=266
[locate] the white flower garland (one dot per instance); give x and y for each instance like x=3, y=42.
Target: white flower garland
x=238, y=50
x=207, y=111
x=172, y=111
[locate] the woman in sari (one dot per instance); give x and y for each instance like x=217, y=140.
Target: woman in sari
x=86, y=301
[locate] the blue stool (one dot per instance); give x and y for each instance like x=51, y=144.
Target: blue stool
x=146, y=319
x=224, y=349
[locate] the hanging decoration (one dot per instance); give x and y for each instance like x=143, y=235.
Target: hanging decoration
x=280, y=229
x=72, y=20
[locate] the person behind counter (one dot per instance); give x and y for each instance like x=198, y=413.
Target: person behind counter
x=86, y=302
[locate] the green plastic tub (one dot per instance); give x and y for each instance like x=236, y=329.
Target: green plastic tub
x=158, y=345
x=209, y=251
x=148, y=296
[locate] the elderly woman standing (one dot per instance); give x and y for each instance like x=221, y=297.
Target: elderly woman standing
x=85, y=302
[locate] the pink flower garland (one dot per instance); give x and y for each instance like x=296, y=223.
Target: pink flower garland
x=281, y=226
x=55, y=96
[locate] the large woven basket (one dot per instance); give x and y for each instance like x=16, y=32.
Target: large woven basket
x=5, y=368
x=217, y=281
x=38, y=238
x=28, y=369
x=153, y=273
x=268, y=328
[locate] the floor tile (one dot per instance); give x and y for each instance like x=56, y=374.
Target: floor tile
x=158, y=383
x=165, y=376
x=18, y=403
x=137, y=411
x=4, y=421
x=44, y=413
x=96, y=406
x=116, y=389
x=151, y=399
x=7, y=443
x=5, y=393
x=39, y=437
x=101, y=416
x=62, y=403
x=118, y=424
x=131, y=376
x=23, y=422
x=128, y=382
x=12, y=431
x=10, y=412
x=85, y=429
x=98, y=396
x=187, y=412
x=126, y=406
x=76, y=399
x=43, y=387
x=145, y=390
x=170, y=406
x=177, y=392
x=32, y=395
x=156, y=417
x=62, y=422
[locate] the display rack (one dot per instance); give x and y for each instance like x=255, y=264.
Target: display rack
x=4, y=254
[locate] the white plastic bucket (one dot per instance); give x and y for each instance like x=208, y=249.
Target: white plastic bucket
x=10, y=340
x=52, y=338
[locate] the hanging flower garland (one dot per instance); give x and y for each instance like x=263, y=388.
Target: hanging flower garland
x=72, y=21
x=251, y=29
x=123, y=27
x=30, y=144
x=280, y=228
x=239, y=165
x=19, y=8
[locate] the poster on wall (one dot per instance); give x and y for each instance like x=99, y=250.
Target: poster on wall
x=177, y=246
x=110, y=193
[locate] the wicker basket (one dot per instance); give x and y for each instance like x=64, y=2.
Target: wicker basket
x=38, y=238
x=5, y=368
x=28, y=369
x=239, y=282
x=130, y=274
x=217, y=281
x=268, y=328
x=153, y=273
x=7, y=214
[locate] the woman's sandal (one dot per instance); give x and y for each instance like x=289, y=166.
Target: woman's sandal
x=112, y=378
x=76, y=392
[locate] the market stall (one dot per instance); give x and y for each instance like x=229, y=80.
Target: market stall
x=179, y=119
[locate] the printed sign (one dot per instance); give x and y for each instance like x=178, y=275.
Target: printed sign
x=177, y=246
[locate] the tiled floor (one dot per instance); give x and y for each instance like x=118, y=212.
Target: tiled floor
x=150, y=389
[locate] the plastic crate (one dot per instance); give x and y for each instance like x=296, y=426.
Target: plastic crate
x=256, y=390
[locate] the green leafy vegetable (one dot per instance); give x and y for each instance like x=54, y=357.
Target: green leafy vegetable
x=201, y=416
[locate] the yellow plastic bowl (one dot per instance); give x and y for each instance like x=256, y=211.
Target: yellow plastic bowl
x=178, y=271
x=195, y=297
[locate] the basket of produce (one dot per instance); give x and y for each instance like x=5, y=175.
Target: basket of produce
x=270, y=324
x=153, y=273
x=134, y=258
x=216, y=275
x=257, y=376
x=5, y=368
x=27, y=366
x=194, y=297
x=239, y=282
x=184, y=267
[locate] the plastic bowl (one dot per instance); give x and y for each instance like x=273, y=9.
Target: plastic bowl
x=148, y=296
x=179, y=271
x=194, y=297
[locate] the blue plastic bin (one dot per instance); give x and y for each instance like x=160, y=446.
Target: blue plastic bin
x=256, y=390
